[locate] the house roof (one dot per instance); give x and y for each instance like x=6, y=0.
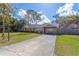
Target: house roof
x=43, y=25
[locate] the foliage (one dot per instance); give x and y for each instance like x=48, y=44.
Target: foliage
x=66, y=20
x=5, y=13
x=33, y=16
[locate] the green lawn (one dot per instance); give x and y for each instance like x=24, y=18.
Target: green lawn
x=67, y=45
x=16, y=37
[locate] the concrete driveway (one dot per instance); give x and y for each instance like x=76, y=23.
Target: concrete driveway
x=39, y=46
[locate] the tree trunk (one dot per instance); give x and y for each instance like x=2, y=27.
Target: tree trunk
x=3, y=30
x=8, y=33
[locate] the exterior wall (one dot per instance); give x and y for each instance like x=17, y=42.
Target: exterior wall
x=69, y=31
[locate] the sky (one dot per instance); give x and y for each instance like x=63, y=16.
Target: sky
x=47, y=9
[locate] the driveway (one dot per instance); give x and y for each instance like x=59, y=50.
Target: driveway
x=39, y=46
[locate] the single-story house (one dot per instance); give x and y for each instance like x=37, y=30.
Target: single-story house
x=70, y=29
x=45, y=28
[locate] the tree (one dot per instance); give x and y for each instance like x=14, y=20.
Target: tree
x=5, y=11
x=14, y=24
x=32, y=16
x=64, y=21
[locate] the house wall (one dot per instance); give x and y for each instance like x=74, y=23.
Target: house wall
x=69, y=31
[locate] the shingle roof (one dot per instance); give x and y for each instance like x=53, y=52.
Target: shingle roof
x=44, y=25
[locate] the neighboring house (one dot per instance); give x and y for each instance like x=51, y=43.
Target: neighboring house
x=72, y=26
x=70, y=29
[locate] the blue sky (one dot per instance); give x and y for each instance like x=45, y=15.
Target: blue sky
x=48, y=9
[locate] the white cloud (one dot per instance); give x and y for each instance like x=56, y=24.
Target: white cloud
x=39, y=12
x=67, y=9
x=22, y=13
x=44, y=20
x=67, y=6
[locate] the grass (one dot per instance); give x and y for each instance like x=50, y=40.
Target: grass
x=67, y=45
x=16, y=37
